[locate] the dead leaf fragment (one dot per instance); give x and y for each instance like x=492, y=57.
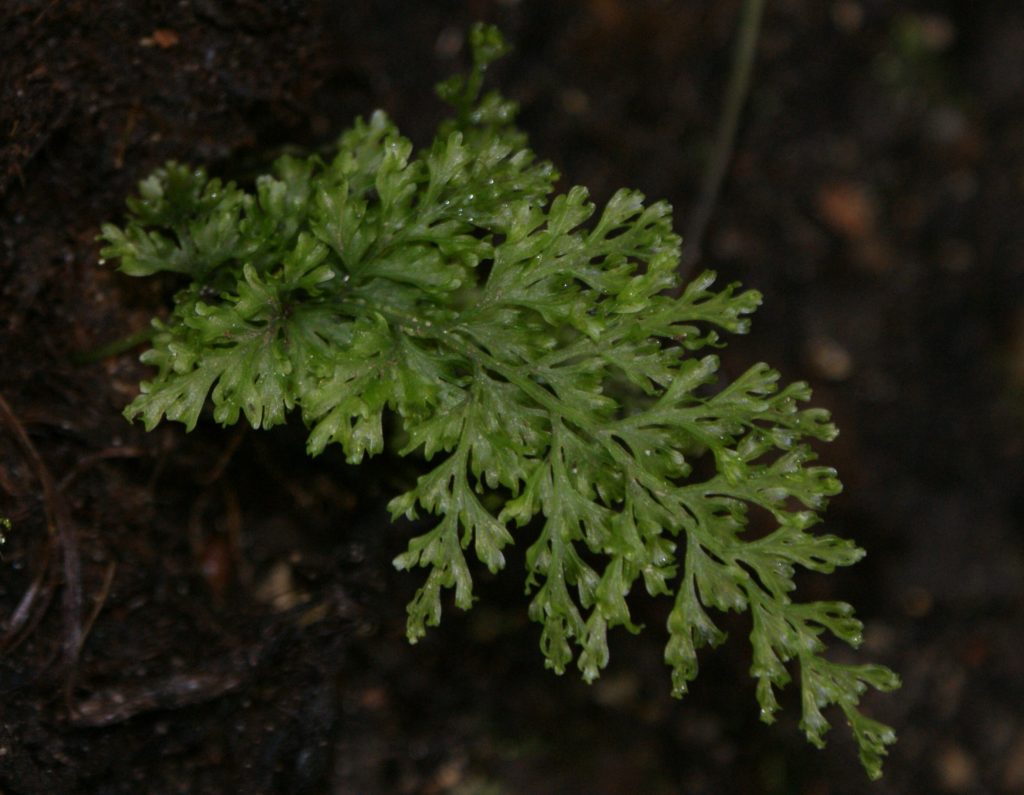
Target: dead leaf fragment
x=829, y=359
x=1013, y=773
x=956, y=769
x=164, y=38
x=278, y=588
x=847, y=208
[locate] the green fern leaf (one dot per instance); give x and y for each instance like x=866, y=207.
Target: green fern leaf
x=537, y=354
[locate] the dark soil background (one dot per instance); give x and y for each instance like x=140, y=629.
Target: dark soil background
x=213, y=613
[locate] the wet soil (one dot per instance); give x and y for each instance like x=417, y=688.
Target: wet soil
x=212, y=612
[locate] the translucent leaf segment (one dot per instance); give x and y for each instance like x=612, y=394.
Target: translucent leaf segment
x=532, y=355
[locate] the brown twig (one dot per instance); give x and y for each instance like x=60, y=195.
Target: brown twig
x=214, y=473
x=87, y=462
x=118, y=704
x=62, y=533
x=24, y=619
x=100, y=599
x=97, y=607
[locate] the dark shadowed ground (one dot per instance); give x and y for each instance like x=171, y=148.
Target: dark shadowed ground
x=242, y=627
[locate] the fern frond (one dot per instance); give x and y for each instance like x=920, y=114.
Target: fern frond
x=538, y=358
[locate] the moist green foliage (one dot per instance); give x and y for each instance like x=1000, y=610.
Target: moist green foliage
x=535, y=353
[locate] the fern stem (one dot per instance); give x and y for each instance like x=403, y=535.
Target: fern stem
x=725, y=140
x=114, y=347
